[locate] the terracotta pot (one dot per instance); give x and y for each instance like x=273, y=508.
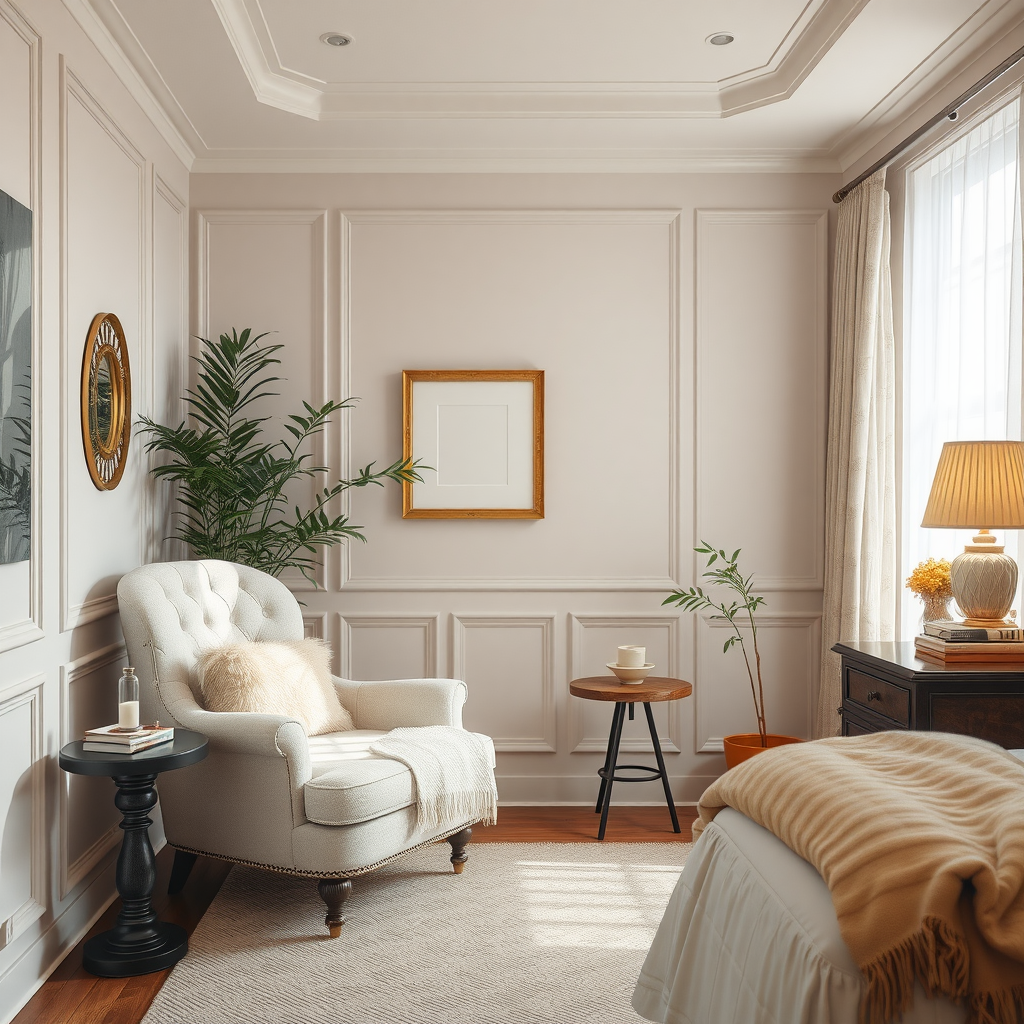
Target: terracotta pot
x=746, y=744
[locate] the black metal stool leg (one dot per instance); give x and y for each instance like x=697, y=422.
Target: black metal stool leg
x=661, y=767
x=608, y=763
x=608, y=777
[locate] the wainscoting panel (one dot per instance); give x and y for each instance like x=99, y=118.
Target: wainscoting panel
x=265, y=269
x=761, y=391
x=790, y=645
x=508, y=663
x=170, y=354
x=22, y=808
x=423, y=287
x=115, y=225
x=88, y=819
x=389, y=646
x=594, y=641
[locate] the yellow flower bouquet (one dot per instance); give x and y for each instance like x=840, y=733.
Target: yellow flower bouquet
x=931, y=582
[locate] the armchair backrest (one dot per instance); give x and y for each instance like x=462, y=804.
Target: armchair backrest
x=171, y=612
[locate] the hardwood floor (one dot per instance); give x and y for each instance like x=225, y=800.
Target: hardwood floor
x=73, y=996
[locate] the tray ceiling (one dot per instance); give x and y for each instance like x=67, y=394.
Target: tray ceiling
x=541, y=84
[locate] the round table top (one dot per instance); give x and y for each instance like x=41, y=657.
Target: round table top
x=186, y=748
x=653, y=688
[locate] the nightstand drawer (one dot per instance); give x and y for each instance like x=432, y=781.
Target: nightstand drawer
x=879, y=696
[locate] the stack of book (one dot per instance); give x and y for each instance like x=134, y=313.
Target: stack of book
x=948, y=642
x=109, y=739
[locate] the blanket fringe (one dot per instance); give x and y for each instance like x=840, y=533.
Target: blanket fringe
x=1003, y=1007
x=937, y=956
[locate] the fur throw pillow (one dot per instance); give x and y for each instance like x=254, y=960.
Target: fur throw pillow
x=286, y=677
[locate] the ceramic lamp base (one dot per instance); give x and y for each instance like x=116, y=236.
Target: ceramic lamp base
x=984, y=583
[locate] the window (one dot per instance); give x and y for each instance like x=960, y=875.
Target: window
x=962, y=326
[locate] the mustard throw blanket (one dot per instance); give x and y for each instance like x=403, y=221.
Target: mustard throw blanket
x=920, y=839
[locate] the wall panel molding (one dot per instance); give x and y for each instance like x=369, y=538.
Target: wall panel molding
x=77, y=613
x=578, y=626
x=73, y=871
x=547, y=740
x=704, y=742
x=323, y=446
x=23, y=631
x=706, y=223
x=156, y=547
x=427, y=624
x=29, y=693
x=671, y=220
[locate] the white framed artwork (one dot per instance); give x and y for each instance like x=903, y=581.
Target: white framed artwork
x=481, y=433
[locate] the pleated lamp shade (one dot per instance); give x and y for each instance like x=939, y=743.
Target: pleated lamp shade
x=978, y=484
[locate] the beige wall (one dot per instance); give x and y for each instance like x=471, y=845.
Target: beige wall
x=681, y=322
x=109, y=199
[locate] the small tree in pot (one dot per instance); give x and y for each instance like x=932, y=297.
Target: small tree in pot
x=232, y=480
x=723, y=570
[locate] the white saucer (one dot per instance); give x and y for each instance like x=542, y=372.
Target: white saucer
x=630, y=676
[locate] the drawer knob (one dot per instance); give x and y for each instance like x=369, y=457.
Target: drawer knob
x=874, y=695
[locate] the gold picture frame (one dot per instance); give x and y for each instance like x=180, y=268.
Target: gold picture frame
x=482, y=432
x=106, y=401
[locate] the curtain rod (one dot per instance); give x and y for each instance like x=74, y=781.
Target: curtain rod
x=949, y=112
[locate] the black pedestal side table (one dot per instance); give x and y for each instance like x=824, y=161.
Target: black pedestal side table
x=138, y=943
x=652, y=689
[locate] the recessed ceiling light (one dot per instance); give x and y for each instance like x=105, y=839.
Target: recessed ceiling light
x=336, y=39
x=721, y=39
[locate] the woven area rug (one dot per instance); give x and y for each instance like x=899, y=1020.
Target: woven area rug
x=530, y=933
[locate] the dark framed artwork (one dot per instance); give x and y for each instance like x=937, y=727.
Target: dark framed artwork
x=15, y=380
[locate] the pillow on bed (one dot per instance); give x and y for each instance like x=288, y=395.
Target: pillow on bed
x=287, y=677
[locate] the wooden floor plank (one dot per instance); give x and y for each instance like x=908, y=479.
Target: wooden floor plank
x=73, y=996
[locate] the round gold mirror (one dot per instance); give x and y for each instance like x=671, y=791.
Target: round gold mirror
x=106, y=401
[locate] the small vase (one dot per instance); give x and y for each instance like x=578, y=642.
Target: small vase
x=936, y=607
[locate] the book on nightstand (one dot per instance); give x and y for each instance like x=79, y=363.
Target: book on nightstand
x=932, y=648
x=949, y=629
x=109, y=739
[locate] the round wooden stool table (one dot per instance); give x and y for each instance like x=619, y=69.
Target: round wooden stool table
x=652, y=689
x=138, y=943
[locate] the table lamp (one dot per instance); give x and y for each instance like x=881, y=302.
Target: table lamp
x=980, y=485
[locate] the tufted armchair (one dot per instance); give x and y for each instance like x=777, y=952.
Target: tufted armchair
x=266, y=795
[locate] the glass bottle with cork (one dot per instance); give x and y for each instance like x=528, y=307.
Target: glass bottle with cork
x=128, y=700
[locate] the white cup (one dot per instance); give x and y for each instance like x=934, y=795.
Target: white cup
x=631, y=656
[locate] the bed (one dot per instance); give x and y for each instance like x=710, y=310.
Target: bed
x=750, y=937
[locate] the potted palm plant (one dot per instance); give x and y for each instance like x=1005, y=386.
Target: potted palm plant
x=722, y=570
x=232, y=480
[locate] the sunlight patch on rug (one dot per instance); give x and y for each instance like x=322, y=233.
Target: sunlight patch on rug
x=595, y=906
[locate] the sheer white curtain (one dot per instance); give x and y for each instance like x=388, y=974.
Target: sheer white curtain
x=962, y=324
x=859, y=600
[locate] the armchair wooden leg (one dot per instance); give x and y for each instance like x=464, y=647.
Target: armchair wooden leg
x=459, y=842
x=334, y=892
x=180, y=871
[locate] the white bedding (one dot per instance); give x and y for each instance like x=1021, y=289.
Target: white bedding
x=750, y=937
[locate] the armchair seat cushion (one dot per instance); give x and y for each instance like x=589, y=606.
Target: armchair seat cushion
x=359, y=789
x=350, y=784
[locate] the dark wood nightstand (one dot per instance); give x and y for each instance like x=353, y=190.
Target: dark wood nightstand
x=885, y=686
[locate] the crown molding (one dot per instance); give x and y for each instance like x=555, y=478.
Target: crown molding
x=482, y=162
x=994, y=31
x=107, y=30
x=808, y=39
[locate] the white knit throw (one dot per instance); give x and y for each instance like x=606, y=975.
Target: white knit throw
x=454, y=773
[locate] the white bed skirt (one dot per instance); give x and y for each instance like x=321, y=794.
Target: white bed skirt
x=750, y=937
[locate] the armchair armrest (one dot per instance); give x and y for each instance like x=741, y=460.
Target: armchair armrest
x=245, y=732
x=396, y=703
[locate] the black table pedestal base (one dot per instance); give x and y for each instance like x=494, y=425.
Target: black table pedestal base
x=607, y=773
x=120, y=954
